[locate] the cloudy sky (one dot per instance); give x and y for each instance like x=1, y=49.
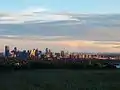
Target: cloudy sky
x=74, y=25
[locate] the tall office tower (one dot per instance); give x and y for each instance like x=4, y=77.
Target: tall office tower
x=49, y=51
x=46, y=50
x=7, y=51
x=62, y=53
x=15, y=49
x=36, y=53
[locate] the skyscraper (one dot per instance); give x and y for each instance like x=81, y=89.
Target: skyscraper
x=46, y=51
x=62, y=53
x=15, y=49
x=7, y=51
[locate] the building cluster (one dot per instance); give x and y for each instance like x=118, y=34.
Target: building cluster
x=36, y=54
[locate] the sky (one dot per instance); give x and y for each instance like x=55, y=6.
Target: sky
x=81, y=6
x=74, y=25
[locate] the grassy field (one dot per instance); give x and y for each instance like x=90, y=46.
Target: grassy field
x=60, y=80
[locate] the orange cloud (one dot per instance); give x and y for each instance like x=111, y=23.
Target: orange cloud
x=75, y=45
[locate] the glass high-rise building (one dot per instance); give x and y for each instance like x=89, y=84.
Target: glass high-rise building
x=7, y=51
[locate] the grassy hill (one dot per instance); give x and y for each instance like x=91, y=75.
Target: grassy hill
x=50, y=79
